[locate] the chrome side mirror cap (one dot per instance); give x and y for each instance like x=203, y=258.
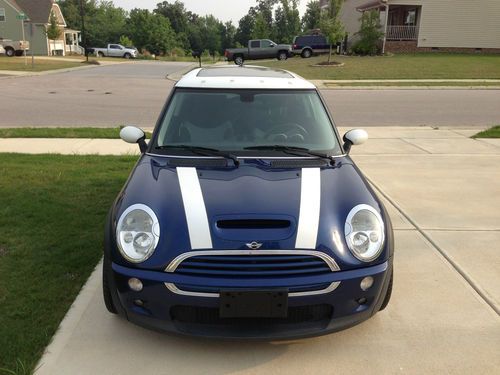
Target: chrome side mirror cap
x=132, y=134
x=354, y=137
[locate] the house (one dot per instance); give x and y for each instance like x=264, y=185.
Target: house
x=38, y=15
x=427, y=25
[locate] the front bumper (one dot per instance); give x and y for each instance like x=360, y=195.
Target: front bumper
x=164, y=309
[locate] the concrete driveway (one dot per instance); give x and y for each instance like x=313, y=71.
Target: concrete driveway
x=442, y=190
x=134, y=93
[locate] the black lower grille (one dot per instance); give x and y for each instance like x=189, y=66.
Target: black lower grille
x=208, y=315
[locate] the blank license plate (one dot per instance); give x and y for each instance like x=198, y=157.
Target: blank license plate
x=254, y=303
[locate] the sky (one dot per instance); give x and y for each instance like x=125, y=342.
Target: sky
x=224, y=10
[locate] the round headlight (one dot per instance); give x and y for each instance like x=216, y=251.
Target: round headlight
x=137, y=233
x=364, y=232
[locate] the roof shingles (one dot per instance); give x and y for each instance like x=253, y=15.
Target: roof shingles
x=38, y=11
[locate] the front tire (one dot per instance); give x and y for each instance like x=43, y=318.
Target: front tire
x=9, y=52
x=282, y=56
x=239, y=60
x=127, y=56
x=306, y=53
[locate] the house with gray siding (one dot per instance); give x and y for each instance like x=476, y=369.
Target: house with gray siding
x=426, y=25
x=35, y=26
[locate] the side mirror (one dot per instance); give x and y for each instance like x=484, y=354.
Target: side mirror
x=354, y=137
x=131, y=134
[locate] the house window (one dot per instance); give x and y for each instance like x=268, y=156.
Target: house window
x=2, y=15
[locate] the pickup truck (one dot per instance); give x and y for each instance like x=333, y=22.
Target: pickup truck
x=259, y=49
x=115, y=50
x=13, y=48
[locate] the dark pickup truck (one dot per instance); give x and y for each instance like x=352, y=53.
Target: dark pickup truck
x=259, y=49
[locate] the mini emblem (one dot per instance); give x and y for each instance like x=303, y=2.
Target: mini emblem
x=254, y=245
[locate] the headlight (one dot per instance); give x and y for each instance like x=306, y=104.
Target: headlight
x=364, y=232
x=137, y=233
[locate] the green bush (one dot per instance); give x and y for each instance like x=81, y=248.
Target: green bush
x=178, y=52
x=370, y=35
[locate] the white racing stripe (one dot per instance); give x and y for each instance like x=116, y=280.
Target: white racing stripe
x=194, y=207
x=310, y=202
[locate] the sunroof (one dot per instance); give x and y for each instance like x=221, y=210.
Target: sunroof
x=238, y=71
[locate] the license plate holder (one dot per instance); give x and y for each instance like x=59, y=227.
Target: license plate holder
x=272, y=303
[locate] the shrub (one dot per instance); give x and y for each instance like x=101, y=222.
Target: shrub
x=370, y=35
x=178, y=52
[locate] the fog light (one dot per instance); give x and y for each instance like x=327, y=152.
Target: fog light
x=135, y=284
x=139, y=302
x=362, y=301
x=366, y=283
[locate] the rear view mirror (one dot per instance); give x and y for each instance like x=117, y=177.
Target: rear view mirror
x=354, y=137
x=131, y=134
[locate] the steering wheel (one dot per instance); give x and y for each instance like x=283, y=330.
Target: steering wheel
x=283, y=132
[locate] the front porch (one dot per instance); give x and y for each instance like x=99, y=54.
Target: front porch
x=68, y=44
x=403, y=22
x=400, y=22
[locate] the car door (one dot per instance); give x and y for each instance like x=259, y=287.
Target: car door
x=267, y=49
x=254, y=49
x=115, y=50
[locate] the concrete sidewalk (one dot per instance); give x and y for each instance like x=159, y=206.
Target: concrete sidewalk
x=442, y=190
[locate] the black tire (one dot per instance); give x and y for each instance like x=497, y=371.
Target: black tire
x=239, y=60
x=100, y=54
x=106, y=291
x=127, y=56
x=387, y=297
x=306, y=53
x=282, y=56
x=10, y=52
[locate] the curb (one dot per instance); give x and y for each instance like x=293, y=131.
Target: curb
x=177, y=75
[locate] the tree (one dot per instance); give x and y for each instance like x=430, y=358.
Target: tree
x=287, y=21
x=312, y=17
x=150, y=31
x=245, y=29
x=104, y=22
x=260, y=29
x=370, y=34
x=331, y=25
x=53, y=30
x=126, y=41
x=179, y=17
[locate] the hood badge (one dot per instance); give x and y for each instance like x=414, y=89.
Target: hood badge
x=254, y=245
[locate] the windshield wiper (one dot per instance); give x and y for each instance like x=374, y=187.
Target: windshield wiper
x=203, y=151
x=296, y=151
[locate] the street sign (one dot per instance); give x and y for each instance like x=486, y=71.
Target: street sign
x=22, y=16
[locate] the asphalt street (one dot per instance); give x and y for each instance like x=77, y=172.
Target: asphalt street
x=134, y=93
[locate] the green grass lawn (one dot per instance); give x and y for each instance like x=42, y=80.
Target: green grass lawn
x=17, y=64
x=52, y=214
x=415, y=83
x=403, y=66
x=494, y=132
x=110, y=133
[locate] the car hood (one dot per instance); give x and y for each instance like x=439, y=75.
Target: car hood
x=203, y=208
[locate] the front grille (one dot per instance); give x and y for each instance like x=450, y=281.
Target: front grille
x=210, y=315
x=251, y=266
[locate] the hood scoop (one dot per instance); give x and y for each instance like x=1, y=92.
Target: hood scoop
x=253, y=224
x=254, y=228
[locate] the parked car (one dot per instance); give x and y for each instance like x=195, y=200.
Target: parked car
x=245, y=217
x=115, y=50
x=13, y=48
x=308, y=45
x=259, y=49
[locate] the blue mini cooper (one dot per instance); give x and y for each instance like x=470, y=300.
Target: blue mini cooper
x=245, y=217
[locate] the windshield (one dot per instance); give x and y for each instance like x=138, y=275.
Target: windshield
x=236, y=120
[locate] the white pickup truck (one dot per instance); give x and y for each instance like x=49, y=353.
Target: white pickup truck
x=14, y=47
x=115, y=50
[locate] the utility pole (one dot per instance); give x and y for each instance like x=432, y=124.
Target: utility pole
x=84, y=35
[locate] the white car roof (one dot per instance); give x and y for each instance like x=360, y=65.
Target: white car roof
x=243, y=77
